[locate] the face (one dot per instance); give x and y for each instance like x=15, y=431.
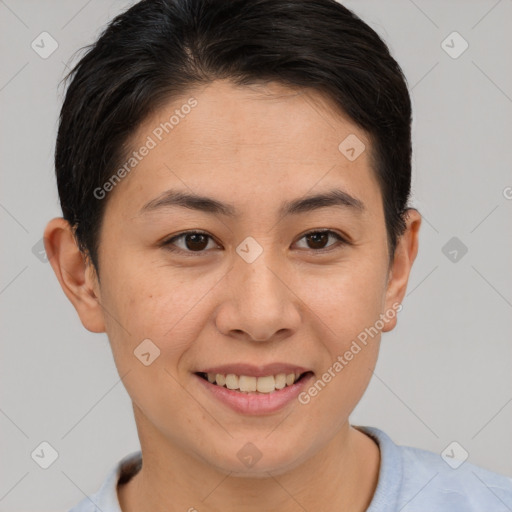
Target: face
x=269, y=284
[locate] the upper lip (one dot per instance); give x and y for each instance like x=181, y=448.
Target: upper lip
x=255, y=371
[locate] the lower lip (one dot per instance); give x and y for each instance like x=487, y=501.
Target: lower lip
x=254, y=404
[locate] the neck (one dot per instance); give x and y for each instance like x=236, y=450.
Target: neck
x=343, y=475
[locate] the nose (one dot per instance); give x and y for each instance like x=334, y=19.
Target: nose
x=258, y=304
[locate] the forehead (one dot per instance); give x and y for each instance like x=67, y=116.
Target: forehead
x=263, y=138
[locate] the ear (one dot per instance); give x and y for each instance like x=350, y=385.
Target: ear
x=405, y=254
x=75, y=272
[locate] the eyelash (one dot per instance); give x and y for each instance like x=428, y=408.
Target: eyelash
x=167, y=244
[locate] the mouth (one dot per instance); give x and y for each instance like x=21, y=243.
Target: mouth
x=254, y=390
x=254, y=385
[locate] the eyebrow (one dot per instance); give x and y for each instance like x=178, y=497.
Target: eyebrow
x=176, y=198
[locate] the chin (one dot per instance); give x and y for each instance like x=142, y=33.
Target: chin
x=252, y=462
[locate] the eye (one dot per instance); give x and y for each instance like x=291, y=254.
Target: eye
x=319, y=239
x=192, y=242
x=197, y=241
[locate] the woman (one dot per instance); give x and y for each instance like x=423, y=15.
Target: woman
x=234, y=178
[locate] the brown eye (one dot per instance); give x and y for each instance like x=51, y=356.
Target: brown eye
x=196, y=241
x=317, y=240
x=192, y=241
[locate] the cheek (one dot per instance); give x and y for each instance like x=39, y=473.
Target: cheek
x=349, y=307
x=154, y=302
x=349, y=300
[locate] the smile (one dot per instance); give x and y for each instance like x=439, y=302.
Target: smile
x=260, y=394
x=251, y=384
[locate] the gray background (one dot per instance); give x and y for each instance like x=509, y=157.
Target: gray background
x=444, y=373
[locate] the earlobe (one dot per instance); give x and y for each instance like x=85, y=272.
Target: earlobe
x=75, y=273
x=405, y=254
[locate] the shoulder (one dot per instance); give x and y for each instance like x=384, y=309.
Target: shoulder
x=105, y=499
x=420, y=480
x=466, y=486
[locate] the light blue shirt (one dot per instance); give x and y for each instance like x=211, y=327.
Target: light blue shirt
x=410, y=480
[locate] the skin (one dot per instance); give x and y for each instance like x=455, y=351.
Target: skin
x=253, y=147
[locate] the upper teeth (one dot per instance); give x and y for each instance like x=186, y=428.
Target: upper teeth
x=245, y=383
